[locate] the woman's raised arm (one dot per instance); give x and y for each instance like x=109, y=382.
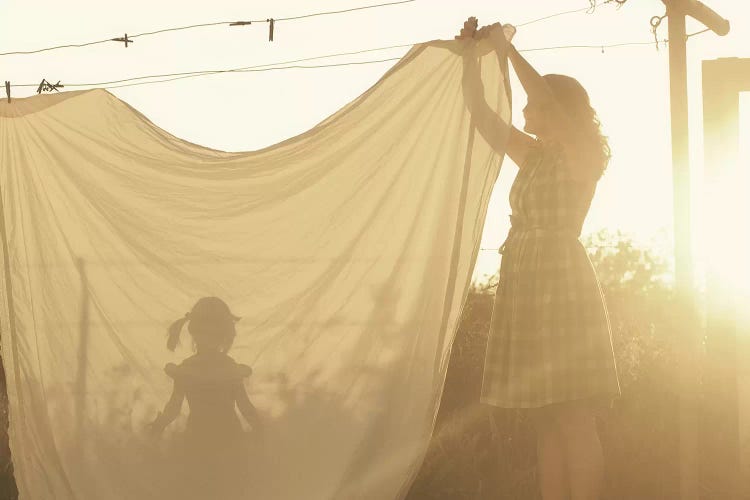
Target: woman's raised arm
x=539, y=91
x=488, y=123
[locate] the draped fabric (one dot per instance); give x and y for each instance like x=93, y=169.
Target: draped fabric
x=346, y=251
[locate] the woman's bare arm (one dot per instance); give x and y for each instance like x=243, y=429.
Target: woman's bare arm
x=488, y=123
x=519, y=145
x=533, y=83
x=538, y=89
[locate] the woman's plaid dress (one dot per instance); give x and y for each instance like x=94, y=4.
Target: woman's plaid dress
x=549, y=338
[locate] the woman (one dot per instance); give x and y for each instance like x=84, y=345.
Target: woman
x=550, y=347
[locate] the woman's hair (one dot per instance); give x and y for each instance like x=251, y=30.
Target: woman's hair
x=575, y=100
x=209, y=320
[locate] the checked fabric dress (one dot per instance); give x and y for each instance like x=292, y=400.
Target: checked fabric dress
x=549, y=340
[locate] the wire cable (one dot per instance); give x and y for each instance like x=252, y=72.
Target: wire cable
x=180, y=28
x=606, y=46
x=601, y=47
x=353, y=63
x=590, y=9
x=245, y=68
x=280, y=65
x=192, y=26
x=291, y=64
x=699, y=32
x=76, y=45
x=342, y=11
x=276, y=19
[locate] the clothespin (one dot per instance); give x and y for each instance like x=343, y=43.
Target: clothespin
x=270, y=29
x=46, y=86
x=7, y=89
x=123, y=39
x=240, y=23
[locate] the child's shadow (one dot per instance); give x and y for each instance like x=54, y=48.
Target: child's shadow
x=212, y=453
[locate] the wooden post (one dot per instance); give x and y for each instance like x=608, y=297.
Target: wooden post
x=686, y=311
x=701, y=12
x=677, y=10
x=680, y=151
x=687, y=486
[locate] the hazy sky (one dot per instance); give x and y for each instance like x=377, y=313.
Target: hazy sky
x=246, y=111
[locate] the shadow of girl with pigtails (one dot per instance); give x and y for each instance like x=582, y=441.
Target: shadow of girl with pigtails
x=213, y=451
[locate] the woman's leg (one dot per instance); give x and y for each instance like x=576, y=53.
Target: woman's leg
x=583, y=450
x=550, y=455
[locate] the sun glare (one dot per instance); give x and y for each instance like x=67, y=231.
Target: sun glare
x=741, y=224
x=743, y=382
x=726, y=224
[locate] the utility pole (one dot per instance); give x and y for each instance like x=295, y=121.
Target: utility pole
x=677, y=11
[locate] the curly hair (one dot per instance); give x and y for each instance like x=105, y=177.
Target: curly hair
x=575, y=100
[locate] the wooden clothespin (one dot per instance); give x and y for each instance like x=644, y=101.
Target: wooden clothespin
x=46, y=86
x=123, y=39
x=7, y=89
x=270, y=29
x=240, y=23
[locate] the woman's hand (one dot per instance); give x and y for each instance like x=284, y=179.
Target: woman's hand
x=497, y=33
x=469, y=30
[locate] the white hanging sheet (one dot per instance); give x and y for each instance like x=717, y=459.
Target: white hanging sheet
x=347, y=251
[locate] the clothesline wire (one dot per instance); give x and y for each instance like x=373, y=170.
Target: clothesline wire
x=276, y=19
x=193, y=26
x=305, y=16
x=280, y=65
x=591, y=8
x=699, y=32
x=606, y=46
x=248, y=70
x=267, y=66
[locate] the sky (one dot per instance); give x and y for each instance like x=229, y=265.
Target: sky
x=628, y=86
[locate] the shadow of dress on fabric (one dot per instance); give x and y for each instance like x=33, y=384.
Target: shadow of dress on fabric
x=213, y=452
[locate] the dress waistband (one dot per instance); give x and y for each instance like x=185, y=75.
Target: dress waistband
x=520, y=225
